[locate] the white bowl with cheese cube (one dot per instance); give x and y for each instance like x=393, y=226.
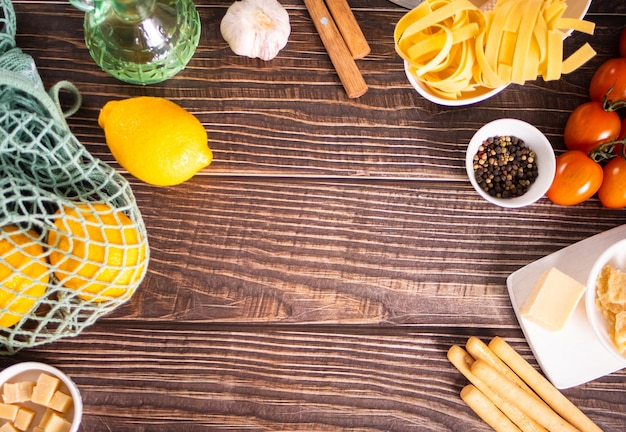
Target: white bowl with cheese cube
x=606, y=297
x=37, y=397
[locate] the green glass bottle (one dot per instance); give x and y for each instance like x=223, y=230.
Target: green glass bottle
x=141, y=41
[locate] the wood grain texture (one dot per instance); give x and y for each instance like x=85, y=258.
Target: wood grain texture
x=313, y=277
x=291, y=116
x=258, y=379
x=337, y=251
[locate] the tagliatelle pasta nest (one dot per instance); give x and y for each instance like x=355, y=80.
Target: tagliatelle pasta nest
x=453, y=47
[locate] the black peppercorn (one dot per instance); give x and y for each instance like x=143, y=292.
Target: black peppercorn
x=505, y=167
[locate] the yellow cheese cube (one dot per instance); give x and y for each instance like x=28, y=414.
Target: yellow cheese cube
x=17, y=392
x=44, y=419
x=8, y=411
x=552, y=300
x=24, y=418
x=8, y=427
x=60, y=402
x=57, y=423
x=44, y=389
x=620, y=331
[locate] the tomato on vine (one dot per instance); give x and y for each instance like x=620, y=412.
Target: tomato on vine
x=590, y=125
x=619, y=148
x=609, y=81
x=577, y=178
x=612, y=192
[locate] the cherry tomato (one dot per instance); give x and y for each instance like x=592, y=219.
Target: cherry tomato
x=622, y=43
x=612, y=73
x=589, y=125
x=577, y=178
x=612, y=193
x=622, y=134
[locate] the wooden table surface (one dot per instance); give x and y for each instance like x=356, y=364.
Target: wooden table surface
x=314, y=276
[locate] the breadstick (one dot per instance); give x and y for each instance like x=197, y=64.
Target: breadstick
x=486, y=410
x=463, y=362
x=460, y=358
x=550, y=394
x=505, y=388
x=479, y=350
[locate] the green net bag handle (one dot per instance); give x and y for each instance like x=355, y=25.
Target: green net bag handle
x=73, y=245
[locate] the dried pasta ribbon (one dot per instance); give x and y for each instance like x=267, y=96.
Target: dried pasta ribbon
x=453, y=47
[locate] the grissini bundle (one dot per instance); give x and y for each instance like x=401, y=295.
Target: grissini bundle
x=486, y=410
x=463, y=362
x=480, y=351
x=550, y=394
x=541, y=412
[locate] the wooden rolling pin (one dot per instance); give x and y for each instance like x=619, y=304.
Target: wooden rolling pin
x=338, y=51
x=349, y=28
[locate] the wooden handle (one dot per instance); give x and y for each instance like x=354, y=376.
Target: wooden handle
x=349, y=28
x=337, y=49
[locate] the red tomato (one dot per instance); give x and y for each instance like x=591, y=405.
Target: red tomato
x=622, y=134
x=612, y=73
x=612, y=193
x=622, y=43
x=589, y=125
x=577, y=178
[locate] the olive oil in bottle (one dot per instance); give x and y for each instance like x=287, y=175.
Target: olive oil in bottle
x=141, y=41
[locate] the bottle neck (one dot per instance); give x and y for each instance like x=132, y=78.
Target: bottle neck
x=132, y=10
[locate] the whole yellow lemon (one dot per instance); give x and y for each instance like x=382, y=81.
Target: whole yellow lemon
x=155, y=139
x=23, y=274
x=97, y=251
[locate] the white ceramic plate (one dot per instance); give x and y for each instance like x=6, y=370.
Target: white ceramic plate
x=573, y=355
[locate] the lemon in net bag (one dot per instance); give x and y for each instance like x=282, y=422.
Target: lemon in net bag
x=73, y=244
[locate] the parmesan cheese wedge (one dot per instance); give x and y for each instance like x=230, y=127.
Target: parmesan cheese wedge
x=552, y=300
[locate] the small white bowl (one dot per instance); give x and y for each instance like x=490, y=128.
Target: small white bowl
x=469, y=98
x=615, y=255
x=534, y=140
x=29, y=371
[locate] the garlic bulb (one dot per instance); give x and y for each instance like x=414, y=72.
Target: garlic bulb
x=256, y=28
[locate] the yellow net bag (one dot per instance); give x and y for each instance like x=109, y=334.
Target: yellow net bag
x=73, y=245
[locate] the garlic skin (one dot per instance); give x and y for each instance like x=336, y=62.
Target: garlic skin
x=256, y=28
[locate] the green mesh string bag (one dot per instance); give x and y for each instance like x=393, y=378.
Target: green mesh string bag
x=73, y=245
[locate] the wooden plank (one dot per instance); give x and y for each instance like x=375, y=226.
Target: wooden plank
x=333, y=251
x=314, y=276
x=290, y=116
x=259, y=378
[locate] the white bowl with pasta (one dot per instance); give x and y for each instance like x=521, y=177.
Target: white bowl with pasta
x=436, y=62
x=467, y=98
